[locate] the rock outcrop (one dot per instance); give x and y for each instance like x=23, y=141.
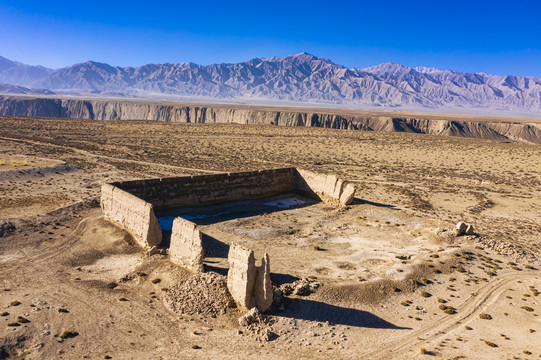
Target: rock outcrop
x=464, y=229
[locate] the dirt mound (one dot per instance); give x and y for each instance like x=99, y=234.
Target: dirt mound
x=203, y=294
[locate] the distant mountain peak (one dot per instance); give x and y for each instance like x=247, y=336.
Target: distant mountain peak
x=300, y=77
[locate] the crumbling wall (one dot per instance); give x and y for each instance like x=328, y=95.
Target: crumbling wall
x=191, y=191
x=327, y=187
x=132, y=213
x=249, y=285
x=186, y=245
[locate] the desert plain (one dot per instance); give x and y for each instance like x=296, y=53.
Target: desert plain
x=384, y=278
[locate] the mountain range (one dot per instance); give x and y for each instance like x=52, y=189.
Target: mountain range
x=299, y=78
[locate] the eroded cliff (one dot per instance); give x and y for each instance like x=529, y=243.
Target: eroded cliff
x=110, y=109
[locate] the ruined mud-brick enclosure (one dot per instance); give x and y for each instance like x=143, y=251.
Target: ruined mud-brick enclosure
x=134, y=206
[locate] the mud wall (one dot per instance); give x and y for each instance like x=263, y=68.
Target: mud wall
x=132, y=213
x=186, y=245
x=191, y=191
x=328, y=187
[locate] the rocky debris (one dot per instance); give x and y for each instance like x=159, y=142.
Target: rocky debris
x=507, y=248
x=6, y=227
x=258, y=326
x=302, y=287
x=204, y=294
x=252, y=316
x=249, y=285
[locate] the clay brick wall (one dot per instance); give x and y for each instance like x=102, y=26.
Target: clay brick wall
x=132, y=213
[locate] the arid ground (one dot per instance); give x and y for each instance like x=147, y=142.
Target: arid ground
x=388, y=277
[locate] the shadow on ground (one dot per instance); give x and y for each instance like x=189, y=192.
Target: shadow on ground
x=358, y=201
x=311, y=310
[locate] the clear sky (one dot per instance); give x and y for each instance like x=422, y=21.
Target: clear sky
x=497, y=37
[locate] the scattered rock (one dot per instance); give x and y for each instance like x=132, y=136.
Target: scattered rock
x=6, y=227
x=461, y=228
x=252, y=316
x=469, y=230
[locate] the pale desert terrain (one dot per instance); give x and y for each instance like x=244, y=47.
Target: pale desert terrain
x=387, y=276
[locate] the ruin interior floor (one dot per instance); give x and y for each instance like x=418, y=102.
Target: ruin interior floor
x=389, y=265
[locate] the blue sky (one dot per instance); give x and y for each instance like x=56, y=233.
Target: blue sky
x=498, y=37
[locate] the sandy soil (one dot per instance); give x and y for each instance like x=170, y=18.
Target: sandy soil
x=395, y=281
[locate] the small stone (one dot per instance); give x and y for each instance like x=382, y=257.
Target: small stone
x=461, y=228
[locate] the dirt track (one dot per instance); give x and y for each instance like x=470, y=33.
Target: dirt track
x=412, y=189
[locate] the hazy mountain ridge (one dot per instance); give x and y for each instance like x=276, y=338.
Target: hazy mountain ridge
x=301, y=78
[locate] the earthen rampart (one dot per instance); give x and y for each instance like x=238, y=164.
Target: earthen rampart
x=132, y=213
x=131, y=205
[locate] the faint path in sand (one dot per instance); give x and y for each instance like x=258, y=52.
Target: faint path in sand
x=96, y=156
x=485, y=296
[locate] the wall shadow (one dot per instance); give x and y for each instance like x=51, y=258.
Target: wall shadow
x=212, y=214
x=358, y=201
x=279, y=279
x=213, y=247
x=319, y=311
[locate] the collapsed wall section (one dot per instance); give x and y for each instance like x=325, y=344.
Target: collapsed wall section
x=132, y=213
x=241, y=275
x=327, y=187
x=248, y=284
x=192, y=191
x=186, y=245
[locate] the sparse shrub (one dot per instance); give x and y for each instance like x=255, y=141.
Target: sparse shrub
x=527, y=308
x=22, y=320
x=123, y=299
x=450, y=310
x=316, y=247
x=531, y=331
x=156, y=281
x=68, y=334
x=468, y=328
x=15, y=303
x=196, y=347
x=5, y=313
x=62, y=310
x=485, y=316
x=423, y=351
x=527, y=352
x=14, y=324
x=443, y=301
x=425, y=294
x=490, y=343
x=406, y=303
